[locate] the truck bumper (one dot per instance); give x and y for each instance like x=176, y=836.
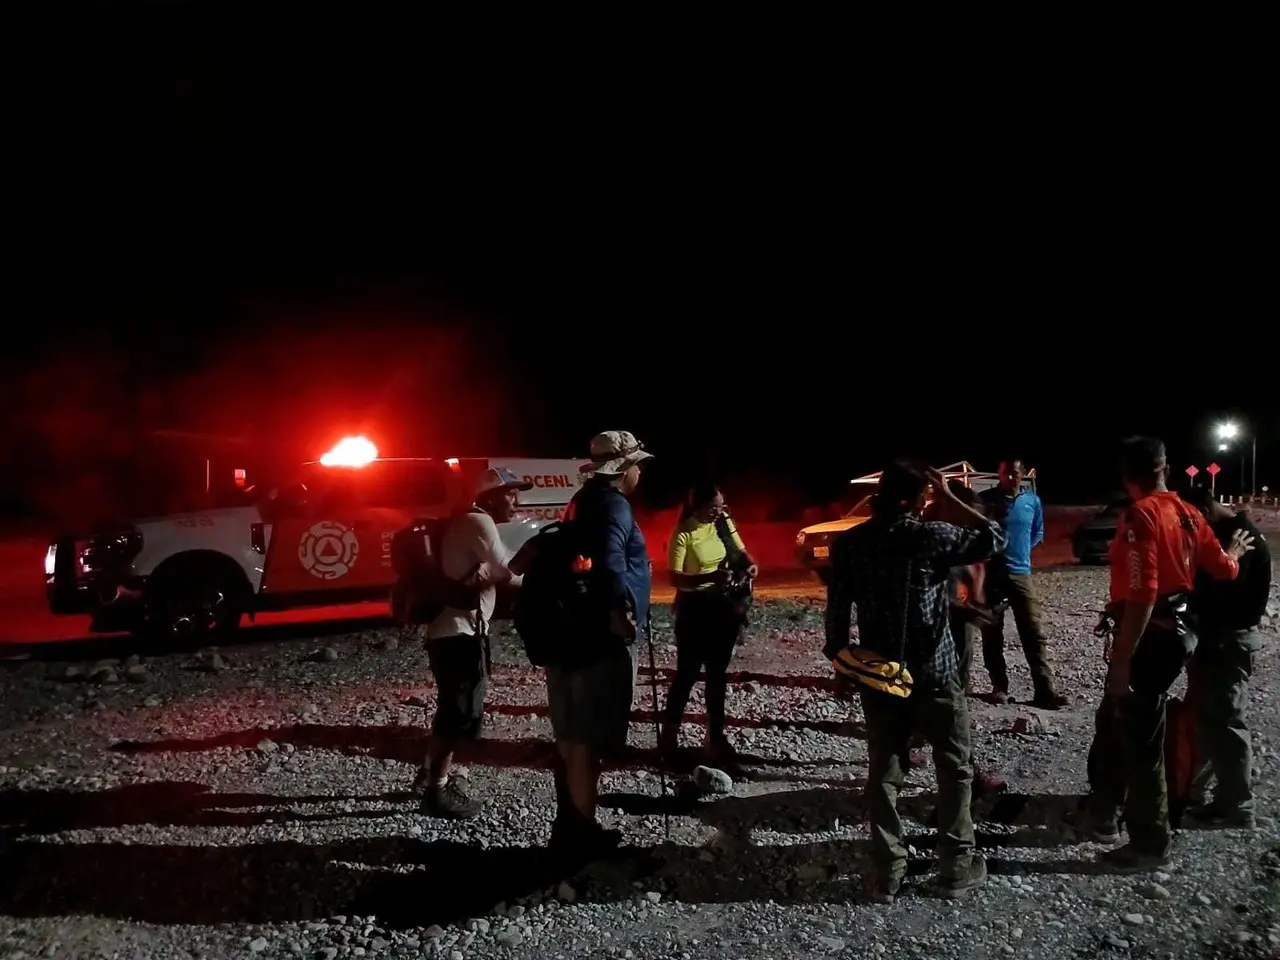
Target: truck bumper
x=113, y=605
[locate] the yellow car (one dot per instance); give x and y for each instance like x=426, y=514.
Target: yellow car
x=813, y=544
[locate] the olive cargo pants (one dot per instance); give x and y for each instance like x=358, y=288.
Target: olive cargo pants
x=942, y=715
x=1025, y=606
x=1218, y=690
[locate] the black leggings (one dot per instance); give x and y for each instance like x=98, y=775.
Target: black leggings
x=707, y=629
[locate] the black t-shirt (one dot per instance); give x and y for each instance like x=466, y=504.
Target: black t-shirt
x=1237, y=604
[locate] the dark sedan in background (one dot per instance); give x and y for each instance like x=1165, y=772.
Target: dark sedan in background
x=1092, y=539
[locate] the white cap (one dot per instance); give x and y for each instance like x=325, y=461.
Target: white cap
x=499, y=478
x=614, y=452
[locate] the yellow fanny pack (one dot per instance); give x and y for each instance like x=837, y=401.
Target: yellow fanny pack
x=873, y=670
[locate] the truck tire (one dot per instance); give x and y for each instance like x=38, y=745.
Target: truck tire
x=195, y=600
x=823, y=574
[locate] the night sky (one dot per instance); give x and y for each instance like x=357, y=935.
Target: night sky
x=758, y=265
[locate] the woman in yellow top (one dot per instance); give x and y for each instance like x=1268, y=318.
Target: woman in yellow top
x=707, y=620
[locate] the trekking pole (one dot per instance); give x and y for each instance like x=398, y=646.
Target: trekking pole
x=657, y=726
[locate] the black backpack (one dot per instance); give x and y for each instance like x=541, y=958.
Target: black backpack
x=558, y=615
x=421, y=590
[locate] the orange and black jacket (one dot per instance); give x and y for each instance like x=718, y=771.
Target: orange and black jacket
x=1160, y=544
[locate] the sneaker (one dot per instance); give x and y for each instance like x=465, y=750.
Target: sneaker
x=1129, y=859
x=1048, y=700
x=449, y=802
x=999, y=697
x=1209, y=816
x=963, y=882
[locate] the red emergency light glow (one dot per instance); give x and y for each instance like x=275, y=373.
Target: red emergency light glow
x=240, y=476
x=350, y=452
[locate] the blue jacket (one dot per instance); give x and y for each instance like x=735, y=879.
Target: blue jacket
x=1021, y=518
x=612, y=538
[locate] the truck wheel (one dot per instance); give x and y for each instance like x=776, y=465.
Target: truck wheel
x=823, y=574
x=192, y=606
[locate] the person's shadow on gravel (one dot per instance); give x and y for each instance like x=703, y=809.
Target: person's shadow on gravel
x=404, y=882
x=162, y=804
x=732, y=866
x=401, y=743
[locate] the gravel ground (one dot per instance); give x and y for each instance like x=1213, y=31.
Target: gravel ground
x=250, y=802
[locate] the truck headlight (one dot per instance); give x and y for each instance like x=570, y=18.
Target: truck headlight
x=108, y=551
x=800, y=539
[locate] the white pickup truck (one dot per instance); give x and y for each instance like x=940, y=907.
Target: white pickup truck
x=813, y=544
x=323, y=540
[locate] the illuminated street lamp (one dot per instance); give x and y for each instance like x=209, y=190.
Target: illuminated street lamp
x=1230, y=431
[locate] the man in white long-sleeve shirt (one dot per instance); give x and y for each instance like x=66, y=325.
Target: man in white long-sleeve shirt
x=471, y=553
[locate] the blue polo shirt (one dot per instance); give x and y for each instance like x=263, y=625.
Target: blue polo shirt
x=1021, y=518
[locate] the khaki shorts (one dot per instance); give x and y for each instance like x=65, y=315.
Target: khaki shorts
x=591, y=704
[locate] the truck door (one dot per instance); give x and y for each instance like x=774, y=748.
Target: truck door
x=404, y=491
x=316, y=541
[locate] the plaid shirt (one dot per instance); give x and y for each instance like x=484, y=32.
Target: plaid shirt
x=898, y=572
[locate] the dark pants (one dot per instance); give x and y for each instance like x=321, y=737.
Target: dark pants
x=1025, y=606
x=460, y=666
x=1218, y=691
x=1126, y=759
x=707, y=629
x=966, y=637
x=943, y=717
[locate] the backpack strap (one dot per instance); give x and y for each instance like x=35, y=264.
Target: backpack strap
x=733, y=553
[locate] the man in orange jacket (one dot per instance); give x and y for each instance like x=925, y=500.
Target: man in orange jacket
x=1159, y=545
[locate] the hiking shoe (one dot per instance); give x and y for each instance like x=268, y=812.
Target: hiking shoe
x=719, y=751
x=1093, y=828
x=999, y=697
x=886, y=888
x=1210, y=816
x=449, y=802
x=1129, y=859
x=573, y=840
x=963, y=882
x=1048, y=700
x=421, y=784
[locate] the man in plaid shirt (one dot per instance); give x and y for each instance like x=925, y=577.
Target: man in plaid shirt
x=896, y=568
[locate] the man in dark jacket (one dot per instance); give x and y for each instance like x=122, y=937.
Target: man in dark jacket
x=1229, y=612
x=590, y=701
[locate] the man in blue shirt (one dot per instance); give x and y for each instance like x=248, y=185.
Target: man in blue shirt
x=1021, y=516
x=590, y=701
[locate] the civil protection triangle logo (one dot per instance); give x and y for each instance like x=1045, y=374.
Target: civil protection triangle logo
x=328, y=550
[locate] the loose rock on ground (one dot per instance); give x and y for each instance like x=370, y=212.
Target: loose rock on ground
x=251, y=801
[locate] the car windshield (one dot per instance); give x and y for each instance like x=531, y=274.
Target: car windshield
x=1115, y=507
x=861, y=509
